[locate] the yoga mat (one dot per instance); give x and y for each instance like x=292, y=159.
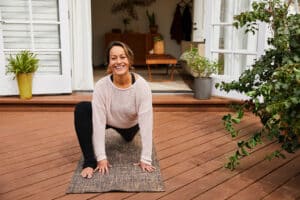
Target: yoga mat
x=123, y=176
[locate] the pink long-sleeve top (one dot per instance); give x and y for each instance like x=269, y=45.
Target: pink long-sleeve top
x=122, y=108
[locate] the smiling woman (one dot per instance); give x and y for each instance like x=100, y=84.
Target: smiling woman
x=121, y=100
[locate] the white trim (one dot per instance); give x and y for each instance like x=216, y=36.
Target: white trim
x=2, y=62
x=208, y=32
x=242, y=51
x=35, y=50
x=198, y=20
x=31, y=26
x=28, y=22
x=222, y=24
x=81, y=52
x=65, y=55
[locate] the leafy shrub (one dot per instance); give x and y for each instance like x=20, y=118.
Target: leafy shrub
x=273, y=82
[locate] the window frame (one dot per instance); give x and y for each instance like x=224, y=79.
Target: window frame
x=209, y=50
x=44, y=83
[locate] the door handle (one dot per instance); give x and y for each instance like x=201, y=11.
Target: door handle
x=2, y=22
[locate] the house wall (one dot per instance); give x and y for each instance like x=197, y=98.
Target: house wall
x=103, y=21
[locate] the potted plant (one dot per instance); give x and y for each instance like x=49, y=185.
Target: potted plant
x=158, y=44
x=152, y=22
x=201, y=69
x=23, y=65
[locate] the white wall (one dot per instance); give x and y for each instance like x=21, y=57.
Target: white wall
x=103, y=21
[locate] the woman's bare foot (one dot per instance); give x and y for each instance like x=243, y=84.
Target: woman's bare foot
x=87, y=172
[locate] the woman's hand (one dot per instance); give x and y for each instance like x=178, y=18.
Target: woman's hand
x=103, y=166
x=145, y=167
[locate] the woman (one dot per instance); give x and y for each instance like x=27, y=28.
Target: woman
x=121, y=100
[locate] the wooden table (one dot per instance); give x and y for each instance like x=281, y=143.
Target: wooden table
x=157, y=59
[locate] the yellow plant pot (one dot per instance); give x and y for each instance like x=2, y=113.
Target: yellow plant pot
x=159, y=47
x=25, y=85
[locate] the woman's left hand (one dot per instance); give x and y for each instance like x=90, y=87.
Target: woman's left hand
x=145, y=167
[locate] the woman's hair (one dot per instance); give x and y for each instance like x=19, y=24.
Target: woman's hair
x=128, y=52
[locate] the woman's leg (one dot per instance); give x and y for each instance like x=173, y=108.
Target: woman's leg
x=84, y=130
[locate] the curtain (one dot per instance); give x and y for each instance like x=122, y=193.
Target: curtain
x=81, y=45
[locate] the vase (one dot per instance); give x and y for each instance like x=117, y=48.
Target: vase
x=25, y=85
x=159, y=47
x=202, y=87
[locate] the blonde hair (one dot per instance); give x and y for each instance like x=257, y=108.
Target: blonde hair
x=128, y=52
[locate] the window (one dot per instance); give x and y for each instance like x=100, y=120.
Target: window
x=42, y=27
x=233, y=48
x=33, y=25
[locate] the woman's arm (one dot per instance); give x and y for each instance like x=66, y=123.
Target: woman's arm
x=99, y=123
x=145, y=120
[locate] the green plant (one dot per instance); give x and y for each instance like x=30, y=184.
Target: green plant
x=23, y=62
x=201, y=66
x=272, y=84
x=151, y=18
x=158, y=38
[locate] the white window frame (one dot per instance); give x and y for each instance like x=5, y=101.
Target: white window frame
x=209, y=51
x=42, y=83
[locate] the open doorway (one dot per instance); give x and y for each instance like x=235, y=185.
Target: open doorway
x=105, y=22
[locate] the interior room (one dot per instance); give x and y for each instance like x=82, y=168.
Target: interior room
x=115, y=20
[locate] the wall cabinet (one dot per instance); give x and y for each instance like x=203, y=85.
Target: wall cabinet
x=140, y=44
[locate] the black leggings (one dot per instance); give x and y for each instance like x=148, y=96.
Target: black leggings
x=84, y=130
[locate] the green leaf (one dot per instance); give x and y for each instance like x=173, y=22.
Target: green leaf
x=245, y=152
x=236, y=120
x=294, y=100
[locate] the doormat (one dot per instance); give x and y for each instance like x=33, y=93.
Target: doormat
x=123, y=175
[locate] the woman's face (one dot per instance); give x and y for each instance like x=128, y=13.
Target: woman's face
x=118, y=61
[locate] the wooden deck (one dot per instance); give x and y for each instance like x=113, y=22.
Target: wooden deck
x=39, y=152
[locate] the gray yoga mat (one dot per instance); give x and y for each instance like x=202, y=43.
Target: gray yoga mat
x=123, y=176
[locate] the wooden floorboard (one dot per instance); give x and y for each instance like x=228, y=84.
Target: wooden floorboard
x=39, y=152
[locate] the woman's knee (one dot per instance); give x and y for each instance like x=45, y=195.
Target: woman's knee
x=83, y=107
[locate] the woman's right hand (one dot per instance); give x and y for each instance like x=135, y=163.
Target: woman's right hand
x=103, y=167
